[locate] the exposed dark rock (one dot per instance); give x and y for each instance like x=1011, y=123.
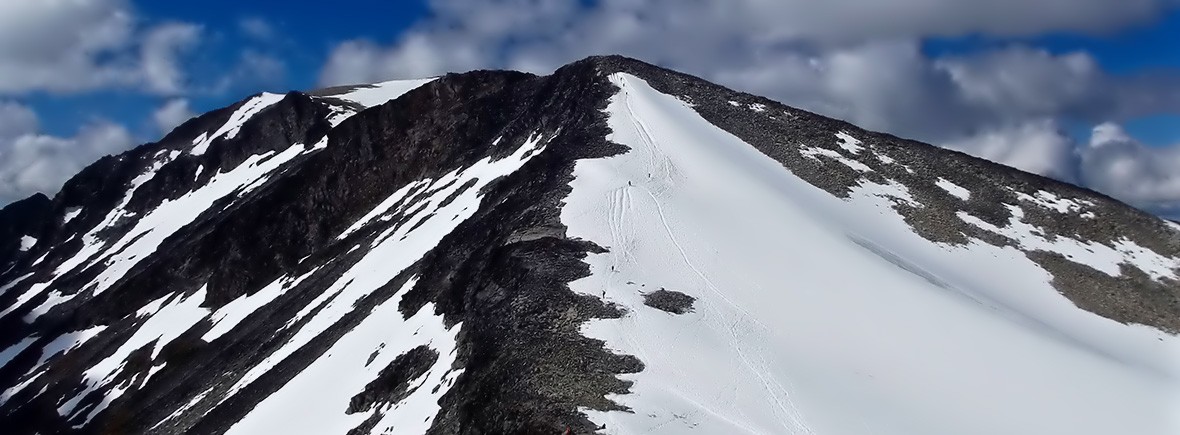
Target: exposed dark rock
x=393, y=382
x=26, y=217
x=671, y=301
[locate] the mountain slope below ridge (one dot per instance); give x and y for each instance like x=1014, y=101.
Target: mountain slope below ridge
x=484, y=253
x=811, y=310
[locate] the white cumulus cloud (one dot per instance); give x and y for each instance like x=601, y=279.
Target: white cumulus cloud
x=67, y=46
x=31, y=161
x=865, y=66
x=1039, y=147
x=1147, y=177
x=171, y=114
x=159, y=56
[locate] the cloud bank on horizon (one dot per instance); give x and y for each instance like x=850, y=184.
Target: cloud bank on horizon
x=860, y=60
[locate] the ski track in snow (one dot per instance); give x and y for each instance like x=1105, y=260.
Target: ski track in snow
x=811, y=316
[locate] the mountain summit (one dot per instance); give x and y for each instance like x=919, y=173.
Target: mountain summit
x=615, y=248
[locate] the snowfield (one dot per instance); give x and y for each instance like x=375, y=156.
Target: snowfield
x=812, y=314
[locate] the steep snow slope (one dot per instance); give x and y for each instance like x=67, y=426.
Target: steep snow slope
x=820, y=315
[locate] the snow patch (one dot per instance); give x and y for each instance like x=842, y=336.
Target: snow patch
x=385, y=208
x=1106, y=259
x=394, y=250
x=236, y=121
x=61, y=345
x=849, y=143
x=27, y=243
x=164, y=320
x=380, y=93
x=154, y=227
x=11, y=392
x=891, y=192
x=71, y=213
x=7, y=355
x=815, y=152
x=92, y=245
x=373, y=95
x=6, y=287
x=67, y=342
x=227, y=317
x=1051, y=201
x=954, y=189
x=180, y=411
x=316, y=399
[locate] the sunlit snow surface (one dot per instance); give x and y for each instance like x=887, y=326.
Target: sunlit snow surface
x=380, y=93
x=321, y=392
x=366, y=96
x=236, y=121
x=813, y=314
x=953, y=189
x=27, y=243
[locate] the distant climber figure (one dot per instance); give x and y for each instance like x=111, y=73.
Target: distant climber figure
x=629, y=183
x=568, y=431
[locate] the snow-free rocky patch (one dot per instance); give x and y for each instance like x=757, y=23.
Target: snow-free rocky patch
x=671, y=301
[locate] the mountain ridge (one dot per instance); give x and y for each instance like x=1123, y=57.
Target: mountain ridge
x=292, y=231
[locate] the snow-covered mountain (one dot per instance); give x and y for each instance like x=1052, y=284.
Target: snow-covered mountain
x=614, y=248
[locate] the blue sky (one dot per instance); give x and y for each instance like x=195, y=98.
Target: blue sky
x=301, y=39
x=305, y=33
x=304, y=41
x=1036, y=84
x=1148, y=46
